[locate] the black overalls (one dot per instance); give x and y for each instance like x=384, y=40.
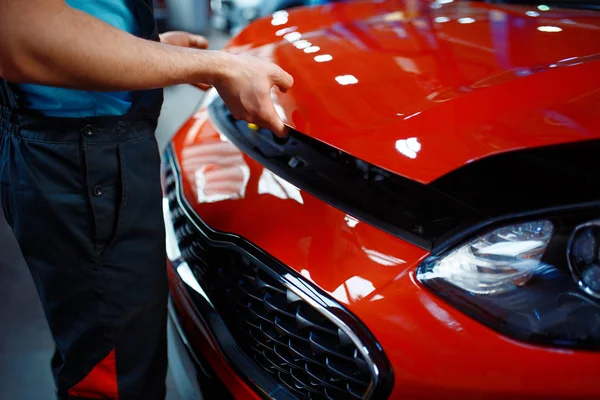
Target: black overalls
x=83, y=198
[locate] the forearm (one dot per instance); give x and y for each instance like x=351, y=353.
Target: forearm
x=65, y=47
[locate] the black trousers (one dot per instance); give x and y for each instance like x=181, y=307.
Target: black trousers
x=83, y=198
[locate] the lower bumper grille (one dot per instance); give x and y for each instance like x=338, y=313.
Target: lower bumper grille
x=286, y=336
x=301, y=338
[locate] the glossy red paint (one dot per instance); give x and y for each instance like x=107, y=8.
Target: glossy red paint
x=436, y=351
x=465, y=79
x=472, y=89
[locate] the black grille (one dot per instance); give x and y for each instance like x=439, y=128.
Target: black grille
x=298, y=346
x=288, y=338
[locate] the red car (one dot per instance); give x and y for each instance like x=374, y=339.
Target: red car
x=429, y=229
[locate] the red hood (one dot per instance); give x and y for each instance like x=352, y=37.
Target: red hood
x=422, y=89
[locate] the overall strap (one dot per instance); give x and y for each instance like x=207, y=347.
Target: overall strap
x=147, y=100
x=7, y=96
x=9, y=118
x=144, y=10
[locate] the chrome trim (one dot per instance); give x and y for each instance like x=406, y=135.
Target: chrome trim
x=302, y=288
x=574, y=270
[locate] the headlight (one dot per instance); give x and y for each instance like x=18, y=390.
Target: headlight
x=584, y=257
x=518, y=280
x=496, y=262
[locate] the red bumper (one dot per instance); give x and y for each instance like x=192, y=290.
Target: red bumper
x=435, y=350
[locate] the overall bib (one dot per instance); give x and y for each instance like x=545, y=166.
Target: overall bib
x=83, y=198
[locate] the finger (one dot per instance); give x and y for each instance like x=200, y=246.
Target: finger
x=271, y=120
x=283, y=80
x=174, y=38
x=202, y=86
x=198, y=41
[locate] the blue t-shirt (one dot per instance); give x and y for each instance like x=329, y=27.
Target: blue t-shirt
x=57, y=102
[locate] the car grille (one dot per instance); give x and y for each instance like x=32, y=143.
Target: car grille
x=303, y=349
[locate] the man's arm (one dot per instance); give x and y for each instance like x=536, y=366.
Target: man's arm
x=47, y=42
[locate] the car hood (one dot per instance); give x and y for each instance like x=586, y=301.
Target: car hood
x=422, y=89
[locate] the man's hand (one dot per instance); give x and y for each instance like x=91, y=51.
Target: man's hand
x=245, y=87
x=33, y=50
x=189, y=40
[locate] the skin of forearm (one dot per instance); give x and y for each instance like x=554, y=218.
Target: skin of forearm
x=65, y=47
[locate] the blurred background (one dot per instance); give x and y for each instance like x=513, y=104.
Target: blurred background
x=25, y=341
x=228, y=16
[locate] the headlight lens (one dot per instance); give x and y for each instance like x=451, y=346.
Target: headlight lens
x=584, y=257
x=495, y=262
x=517, y=280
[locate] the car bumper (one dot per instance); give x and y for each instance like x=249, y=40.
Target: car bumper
x=193, y=376
x=197, y=364
x=435, y=350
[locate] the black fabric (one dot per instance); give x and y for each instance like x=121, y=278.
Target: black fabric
x=97, y=257
x=83, y=198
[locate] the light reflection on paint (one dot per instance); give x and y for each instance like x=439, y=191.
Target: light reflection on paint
x=174, y=254
x=312, y=49
x=218, y=170
x=302, y=44
x=269, y=183
x=438, y=3
x=351, y=221
x=218, y=183
x=566, y=60
x=277, y=22
x=306, y=273
x=285, y=31
x=409, y=147
x=279, y=18
x=346, y=80
x=393, y=16
x=292, y=36
x=412, y=115
x=353, y=290
x=278, y=107
x=549, y=29
x=440, y=314
x=187, y=276
x=383, y=259
x=441, y=20
x=323, y=58
x=466, y=20
x=407, y=64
